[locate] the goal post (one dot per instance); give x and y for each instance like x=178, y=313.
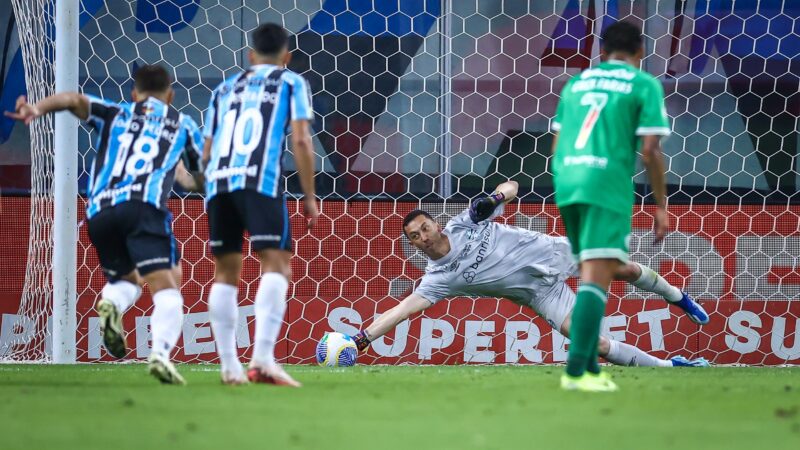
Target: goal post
x=65, y=187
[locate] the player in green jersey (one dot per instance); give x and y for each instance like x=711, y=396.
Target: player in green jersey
x=606, y=113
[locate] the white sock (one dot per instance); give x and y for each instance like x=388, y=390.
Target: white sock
x=650, y=281
x=167, y=320
x=122, y=294
x=623, y=354
x=270, y=307
x=222, y=307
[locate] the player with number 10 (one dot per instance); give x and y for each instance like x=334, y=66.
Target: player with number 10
x=245, y=127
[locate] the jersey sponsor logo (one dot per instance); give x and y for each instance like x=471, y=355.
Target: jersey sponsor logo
x=110, y=193
x=468, y=275
x=597, y=162
x=228, y=172
x=483, y=247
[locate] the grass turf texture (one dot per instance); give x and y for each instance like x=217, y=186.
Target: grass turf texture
x=468, y=407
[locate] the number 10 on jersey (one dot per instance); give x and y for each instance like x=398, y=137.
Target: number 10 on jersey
x=243, y=134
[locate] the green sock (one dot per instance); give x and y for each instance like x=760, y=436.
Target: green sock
x=593, y=365
x=584, y=332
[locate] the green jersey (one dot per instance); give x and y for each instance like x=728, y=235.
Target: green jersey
x=601, y=114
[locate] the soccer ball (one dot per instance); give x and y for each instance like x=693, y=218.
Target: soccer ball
x=336, y=350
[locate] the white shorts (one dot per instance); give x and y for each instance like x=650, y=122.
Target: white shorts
x=555, y=305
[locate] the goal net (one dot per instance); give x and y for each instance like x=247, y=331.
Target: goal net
x=427, y=103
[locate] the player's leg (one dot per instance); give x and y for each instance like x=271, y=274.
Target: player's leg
x=556, y=307
x=267, y=220
x=388, y=320
x=117, y=296
x=122, y=288
x=152, y=247
x=165, y=323
x=590, y=305
x=226, y=229
x=599, y=240
x=649, y=280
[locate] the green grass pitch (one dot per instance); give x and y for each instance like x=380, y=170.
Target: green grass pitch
x=466, y=407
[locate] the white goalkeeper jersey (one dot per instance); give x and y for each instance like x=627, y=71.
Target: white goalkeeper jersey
x=488, y=259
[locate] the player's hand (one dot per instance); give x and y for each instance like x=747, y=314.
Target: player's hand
x=311, y=211
x=660, y=224
x=23, y=111
x=483, y=207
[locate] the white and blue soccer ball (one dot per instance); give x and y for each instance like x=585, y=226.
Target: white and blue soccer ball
x=336, y=350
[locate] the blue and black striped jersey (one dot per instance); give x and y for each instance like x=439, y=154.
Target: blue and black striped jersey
x=138, y=146
x=248, y=119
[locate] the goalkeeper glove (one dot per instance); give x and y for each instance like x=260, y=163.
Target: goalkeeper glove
x=483, y=207
x=361, y=340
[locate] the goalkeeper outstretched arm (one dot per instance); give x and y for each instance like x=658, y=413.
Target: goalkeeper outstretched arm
x=410, y=305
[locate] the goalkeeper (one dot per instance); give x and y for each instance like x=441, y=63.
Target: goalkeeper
x=474, y=256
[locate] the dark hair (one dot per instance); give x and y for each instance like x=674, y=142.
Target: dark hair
x=269, y=39
x=413, y=215
x=622, y=37
x=151, y=78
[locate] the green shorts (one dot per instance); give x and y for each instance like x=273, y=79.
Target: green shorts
x=595, y=232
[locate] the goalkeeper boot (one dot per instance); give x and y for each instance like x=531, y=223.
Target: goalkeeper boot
x=680, y=361
x=692, y=309
x=162, y=368
x=273, y=374
x=588, y=382
x=111, y=328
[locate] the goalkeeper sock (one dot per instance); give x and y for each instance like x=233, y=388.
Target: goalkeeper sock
x=651, y=281
x=584, y=332
x=166, y=321
x=223, y=310
x=122, y=294
x=623, y=354
x=270, y=307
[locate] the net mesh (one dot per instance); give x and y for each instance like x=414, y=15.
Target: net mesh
x=29, y=338
x=425, y=104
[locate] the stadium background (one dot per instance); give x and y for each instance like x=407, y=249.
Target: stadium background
x=412, y=109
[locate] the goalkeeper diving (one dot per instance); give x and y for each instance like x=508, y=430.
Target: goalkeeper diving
x=474, y=256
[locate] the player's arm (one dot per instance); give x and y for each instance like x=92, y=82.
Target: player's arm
x=653, y=124
x=189, y=171
x=73, y=102
x=412, y=304
x=303, y=150
x=482, y=208
x=653, y=161
x=189, y=181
